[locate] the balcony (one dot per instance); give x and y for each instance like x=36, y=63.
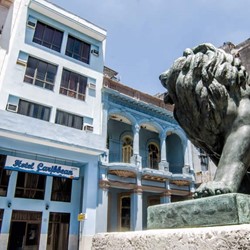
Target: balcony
x=129, y=170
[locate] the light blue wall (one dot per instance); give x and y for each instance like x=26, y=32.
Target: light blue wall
x=79, y=201
x=175, y=154
x=113, y=209
x=116, y=130
x=174, y=144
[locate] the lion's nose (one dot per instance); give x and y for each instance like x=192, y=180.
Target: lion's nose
x=163, y=77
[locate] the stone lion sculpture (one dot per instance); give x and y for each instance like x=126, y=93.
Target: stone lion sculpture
x=210, y=90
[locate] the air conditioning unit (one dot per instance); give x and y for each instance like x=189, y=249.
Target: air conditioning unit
x=12, y=107
x=88, y=127
x=91, y=86
x=95, y=52
x=21, y=62
x=31, y=24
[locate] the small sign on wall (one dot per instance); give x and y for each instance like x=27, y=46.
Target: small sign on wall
x=82, y=217
x=40, y=167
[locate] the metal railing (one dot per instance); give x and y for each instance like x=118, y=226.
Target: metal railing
x=109, y=83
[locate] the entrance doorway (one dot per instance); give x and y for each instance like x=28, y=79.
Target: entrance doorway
x=58, y=233
x=25, y=230
x=124, y=213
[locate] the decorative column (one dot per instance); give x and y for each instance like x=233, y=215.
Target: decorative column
x=192, y=189
x=89, y=198
x=136, y=158
x=102, y=200
x=136, y=209
x=163, y=165
x=102, y=219
x=105, y=115
x=187, y=159
x=166, y=196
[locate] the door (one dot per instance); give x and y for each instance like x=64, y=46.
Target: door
x=24, y=230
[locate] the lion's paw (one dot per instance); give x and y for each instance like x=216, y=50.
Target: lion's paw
x=212, y=188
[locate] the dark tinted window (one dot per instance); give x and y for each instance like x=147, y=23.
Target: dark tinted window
x=61, y=189
x=69, y=120
x=73, y=85
x=30, y=186
x=48, y=36
x=34, y=110
x=78, y=49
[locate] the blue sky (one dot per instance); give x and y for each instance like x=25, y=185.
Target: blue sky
x=146, y=36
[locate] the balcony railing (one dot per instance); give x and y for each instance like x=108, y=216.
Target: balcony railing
x=109, y=83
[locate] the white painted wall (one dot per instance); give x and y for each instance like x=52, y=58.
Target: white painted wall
x=12, y=75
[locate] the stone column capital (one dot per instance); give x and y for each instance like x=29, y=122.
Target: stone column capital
x=162, y=136
x=104, y=184
x=136, y=128
x=138, y=190
x=166, y=194
x=106, y=105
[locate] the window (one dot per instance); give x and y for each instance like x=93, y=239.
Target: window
x=33, y=110
x=4, y=176
x=153, y=156
x=73, y=85
x=40, y=73
x=70, y=120
x=48, y=36
x=61, y=189
x=58, y=232
x=127, y=149
x=78, y=49
x=31, y=186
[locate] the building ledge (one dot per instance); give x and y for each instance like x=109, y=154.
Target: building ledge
x=122, y=169
x=23, y=128
x=52, y=11
x=128, y=170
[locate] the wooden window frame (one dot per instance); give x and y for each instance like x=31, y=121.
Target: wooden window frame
x=38, y=75
x=73, y=85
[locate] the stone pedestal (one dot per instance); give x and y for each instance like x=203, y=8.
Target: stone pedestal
x=219, y=210
x=189, y=226
x=208, y=238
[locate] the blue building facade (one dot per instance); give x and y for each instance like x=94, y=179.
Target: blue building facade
x=148, y=159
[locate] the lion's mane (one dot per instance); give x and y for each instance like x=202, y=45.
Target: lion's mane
x=206, y=85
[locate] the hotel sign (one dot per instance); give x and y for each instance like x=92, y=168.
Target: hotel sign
x=40, y=167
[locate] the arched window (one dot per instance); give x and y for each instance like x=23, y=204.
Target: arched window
x=153, y=156
x=127, y=149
